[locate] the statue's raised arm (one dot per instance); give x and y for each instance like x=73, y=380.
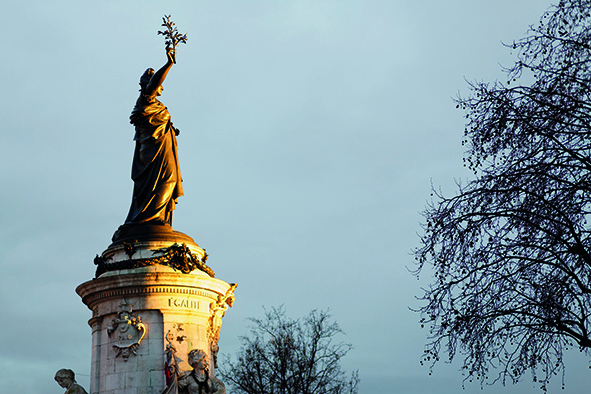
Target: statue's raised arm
x=172, y=39
x=157, y=79
x=155, y=170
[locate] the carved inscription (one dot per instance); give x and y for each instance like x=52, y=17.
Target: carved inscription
x=184, y=303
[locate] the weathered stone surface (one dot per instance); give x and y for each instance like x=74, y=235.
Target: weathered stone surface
x=182, y=310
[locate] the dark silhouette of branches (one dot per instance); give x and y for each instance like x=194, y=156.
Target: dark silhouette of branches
x=285, y=356
x=511, y=251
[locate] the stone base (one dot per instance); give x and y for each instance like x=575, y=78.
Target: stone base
x=149, y=231
x=137, y=313
x=146, y=245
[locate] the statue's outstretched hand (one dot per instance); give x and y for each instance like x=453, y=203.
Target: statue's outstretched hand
x=171, y=53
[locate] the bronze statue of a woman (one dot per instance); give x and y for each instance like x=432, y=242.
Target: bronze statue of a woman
x=157, y=182
x=155, y=169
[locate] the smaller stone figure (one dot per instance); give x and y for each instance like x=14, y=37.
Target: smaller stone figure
x=66, y=379
x=199, y=381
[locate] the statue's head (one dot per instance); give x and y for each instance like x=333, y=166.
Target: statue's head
x=198, y=359
x=65, y=377
x=145, y=78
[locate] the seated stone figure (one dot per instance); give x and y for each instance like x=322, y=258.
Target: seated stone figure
x=66, y=379
x=198, y=381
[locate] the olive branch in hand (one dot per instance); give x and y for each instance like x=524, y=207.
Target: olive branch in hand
x=171, y=35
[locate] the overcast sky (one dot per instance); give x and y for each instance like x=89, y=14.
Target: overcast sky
x=310, y=134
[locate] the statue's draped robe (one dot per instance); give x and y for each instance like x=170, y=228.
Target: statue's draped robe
x=155, y=169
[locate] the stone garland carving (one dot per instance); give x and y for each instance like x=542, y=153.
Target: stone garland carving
x=126, y=332
x=217, y=310
x=179, y=257
x=129, y=249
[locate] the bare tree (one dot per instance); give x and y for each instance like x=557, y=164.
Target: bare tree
x=285, y=356
x=510, y=252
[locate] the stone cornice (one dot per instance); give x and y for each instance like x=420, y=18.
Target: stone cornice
x=150, y=283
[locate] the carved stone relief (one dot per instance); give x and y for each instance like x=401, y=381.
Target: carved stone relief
x=217, y=310
x=126, y=332
x=171, y=361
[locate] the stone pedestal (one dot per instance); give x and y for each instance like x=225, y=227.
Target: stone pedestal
x=144, y=307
